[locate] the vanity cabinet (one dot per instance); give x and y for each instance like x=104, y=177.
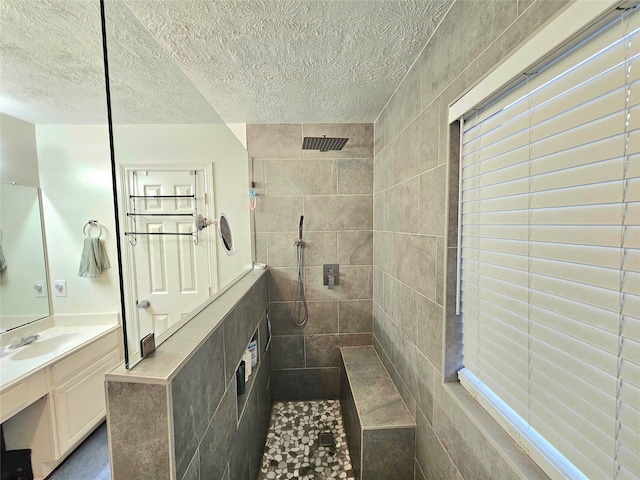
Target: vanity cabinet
x=53, y=409
x=78, y=396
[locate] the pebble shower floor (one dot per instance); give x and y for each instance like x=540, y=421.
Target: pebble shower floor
x=293, y=448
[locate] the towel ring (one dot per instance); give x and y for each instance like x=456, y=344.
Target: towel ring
x=87, y=228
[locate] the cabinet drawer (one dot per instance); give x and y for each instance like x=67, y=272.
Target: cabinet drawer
x=80, y=402
x=71, y=365
x=22, y=395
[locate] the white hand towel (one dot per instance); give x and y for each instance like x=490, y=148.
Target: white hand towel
x=94, y=258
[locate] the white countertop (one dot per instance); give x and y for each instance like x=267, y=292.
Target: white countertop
x=53, y=344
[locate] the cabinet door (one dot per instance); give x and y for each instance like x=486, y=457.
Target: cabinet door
x=80, y=402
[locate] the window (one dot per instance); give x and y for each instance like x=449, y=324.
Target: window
x=550, y=257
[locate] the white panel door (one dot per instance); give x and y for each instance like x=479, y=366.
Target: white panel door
x=171, y=271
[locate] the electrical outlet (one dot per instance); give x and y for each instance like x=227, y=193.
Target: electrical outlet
x=61, y=288
x=40, y=288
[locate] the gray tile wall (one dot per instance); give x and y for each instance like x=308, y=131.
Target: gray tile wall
x=333, y=190
x=197, y=418
x=415, y=330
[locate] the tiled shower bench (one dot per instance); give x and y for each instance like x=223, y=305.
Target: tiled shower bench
x=380, y=429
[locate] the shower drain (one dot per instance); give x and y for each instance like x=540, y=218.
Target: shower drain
x=325, y=439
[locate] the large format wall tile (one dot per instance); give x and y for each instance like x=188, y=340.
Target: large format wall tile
x=215, y=447
x=306, y=384
x=355, y=248
x=300, y=177
x=337, y=213
x=289, y=351
x=323, y=318
x=275, y=140
x=355, y=176
x=278, y=214
x=200, y=384
x=324, y=350
x=355, y=316
x=319, y=248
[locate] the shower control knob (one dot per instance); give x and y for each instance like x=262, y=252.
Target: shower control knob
x=143, y=304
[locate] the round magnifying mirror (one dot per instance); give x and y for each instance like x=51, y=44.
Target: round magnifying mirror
x=226, y=236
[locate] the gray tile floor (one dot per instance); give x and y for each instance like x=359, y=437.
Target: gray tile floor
x=298, y=446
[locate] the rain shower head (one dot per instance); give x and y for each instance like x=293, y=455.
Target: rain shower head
x=324, y=143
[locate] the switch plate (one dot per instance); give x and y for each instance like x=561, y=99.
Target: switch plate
x=41, y=288
x=60, y=287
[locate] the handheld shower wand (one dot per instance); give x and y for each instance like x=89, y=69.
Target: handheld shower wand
x=300, y=228
x=300, y=301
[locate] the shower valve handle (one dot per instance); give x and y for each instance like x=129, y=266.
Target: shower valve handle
x=331, y=275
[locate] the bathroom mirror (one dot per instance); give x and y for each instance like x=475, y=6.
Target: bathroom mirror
x=23, y=274
x=176, y=159
x=55, y=137
x=52, y=75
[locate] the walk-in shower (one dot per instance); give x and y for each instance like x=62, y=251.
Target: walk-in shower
x=299, y=309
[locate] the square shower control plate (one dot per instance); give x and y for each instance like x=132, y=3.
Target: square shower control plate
x=336, y=273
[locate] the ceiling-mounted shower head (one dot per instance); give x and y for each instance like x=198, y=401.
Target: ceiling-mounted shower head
x=324, y=143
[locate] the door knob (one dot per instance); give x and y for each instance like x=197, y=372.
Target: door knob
x=143, y=304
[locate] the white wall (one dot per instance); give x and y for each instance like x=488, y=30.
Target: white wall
x=18, y=155
x=75, y=177
x=214, y=143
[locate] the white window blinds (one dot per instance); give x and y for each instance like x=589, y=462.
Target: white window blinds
x=550, y=258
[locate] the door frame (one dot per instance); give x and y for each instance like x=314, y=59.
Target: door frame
x=128, y=267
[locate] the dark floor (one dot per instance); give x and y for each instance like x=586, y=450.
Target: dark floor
x=90, y=461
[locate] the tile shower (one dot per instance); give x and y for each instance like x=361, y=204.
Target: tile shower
x=393, y=233
x=333, y=190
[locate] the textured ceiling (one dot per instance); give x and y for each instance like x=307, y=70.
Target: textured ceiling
x=50, y=61
x=252, y=60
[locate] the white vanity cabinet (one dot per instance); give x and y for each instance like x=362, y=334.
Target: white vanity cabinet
x=54, y=408
x=78, y=391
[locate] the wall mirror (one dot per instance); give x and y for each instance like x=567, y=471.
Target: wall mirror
x=55, y=136
x=51, y=81
x=23, y=274
x=177, y=160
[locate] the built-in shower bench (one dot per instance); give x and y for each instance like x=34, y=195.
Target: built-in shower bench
x=380, y=429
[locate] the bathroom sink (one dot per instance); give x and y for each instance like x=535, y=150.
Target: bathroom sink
x=43, y=346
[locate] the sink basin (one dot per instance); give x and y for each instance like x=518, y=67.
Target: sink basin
x=43, y=346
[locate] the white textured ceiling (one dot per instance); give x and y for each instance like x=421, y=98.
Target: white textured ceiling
x=252, y=60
